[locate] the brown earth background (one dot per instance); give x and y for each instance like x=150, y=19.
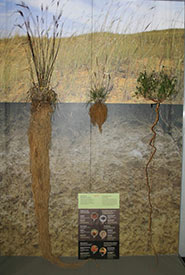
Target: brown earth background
x=83, y=160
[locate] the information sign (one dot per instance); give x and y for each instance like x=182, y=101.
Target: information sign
x=98, y=228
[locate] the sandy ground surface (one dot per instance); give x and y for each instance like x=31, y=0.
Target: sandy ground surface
x=83, y=160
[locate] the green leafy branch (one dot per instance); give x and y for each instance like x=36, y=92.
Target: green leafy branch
x=156, y=86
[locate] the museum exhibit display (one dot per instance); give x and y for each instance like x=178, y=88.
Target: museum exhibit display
x=92, y=134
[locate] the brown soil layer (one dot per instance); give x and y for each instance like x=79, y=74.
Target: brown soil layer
x=111, y=162
x=98, y=113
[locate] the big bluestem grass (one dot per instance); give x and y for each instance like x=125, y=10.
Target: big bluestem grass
x=44, y=39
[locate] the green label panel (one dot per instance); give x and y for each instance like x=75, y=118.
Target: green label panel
x=98, y=201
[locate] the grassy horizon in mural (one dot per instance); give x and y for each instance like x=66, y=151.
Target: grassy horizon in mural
x=128, y=54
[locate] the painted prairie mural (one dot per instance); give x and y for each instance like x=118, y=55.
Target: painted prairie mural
x=131, y=36
x=122, y=38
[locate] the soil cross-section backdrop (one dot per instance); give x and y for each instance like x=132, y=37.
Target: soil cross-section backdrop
x=125, y=38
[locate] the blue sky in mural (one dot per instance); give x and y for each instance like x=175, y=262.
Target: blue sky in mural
x=120, y=16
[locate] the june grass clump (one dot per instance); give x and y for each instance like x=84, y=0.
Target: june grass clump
x=100, y=83
x=99, y=91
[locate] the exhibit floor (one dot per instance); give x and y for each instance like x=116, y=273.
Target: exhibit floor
x=131, y=265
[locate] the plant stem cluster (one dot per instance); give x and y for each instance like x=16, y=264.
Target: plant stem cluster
x=101, y=83
x=43, y=39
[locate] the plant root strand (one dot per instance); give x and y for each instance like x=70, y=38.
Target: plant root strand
x=152, y=144
x=39, y=136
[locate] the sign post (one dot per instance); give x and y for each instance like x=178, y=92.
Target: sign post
x=98, y=225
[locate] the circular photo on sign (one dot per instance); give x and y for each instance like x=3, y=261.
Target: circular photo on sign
x=103, y=251
x=94, y=216
x=94, y=233
x=103, y=234
x=94, y=249
x=103, y=218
